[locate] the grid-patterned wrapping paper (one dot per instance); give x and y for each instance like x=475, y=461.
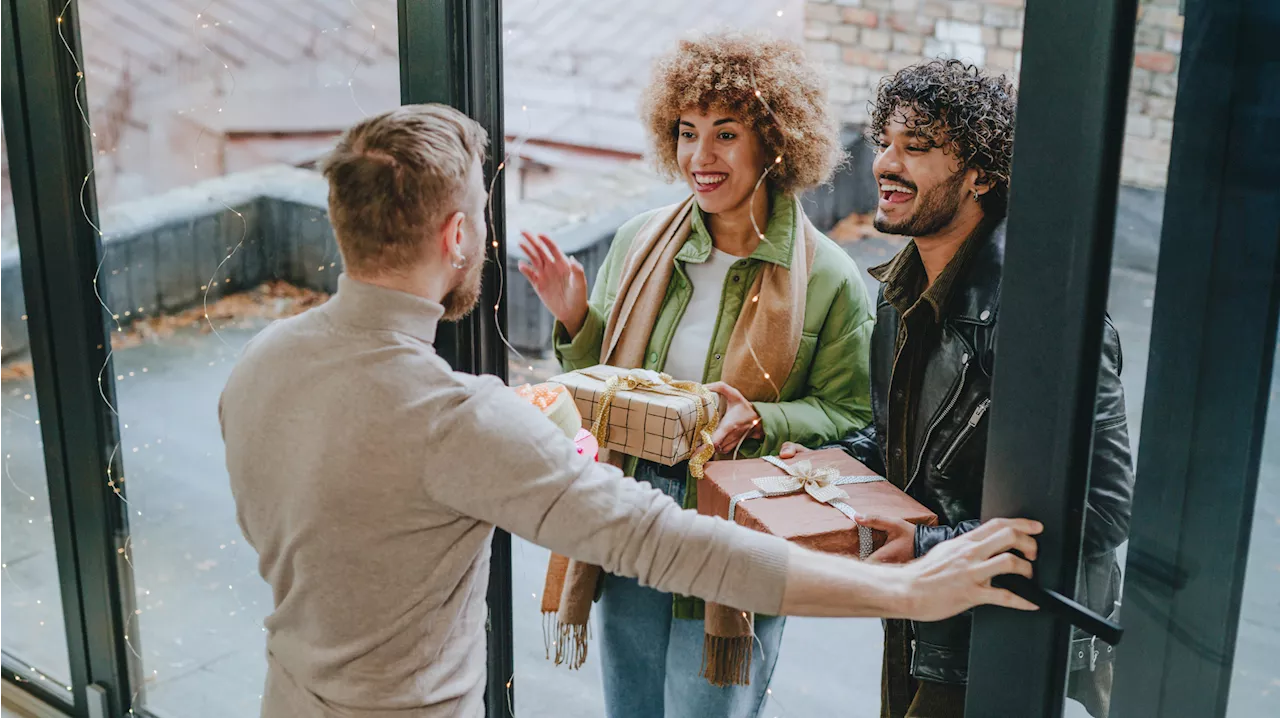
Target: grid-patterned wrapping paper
x=653, y=426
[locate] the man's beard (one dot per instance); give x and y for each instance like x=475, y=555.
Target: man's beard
x=934, y=210
x=460, y=300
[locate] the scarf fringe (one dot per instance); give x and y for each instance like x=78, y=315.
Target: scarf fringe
x=726, y=661
x=570, y=640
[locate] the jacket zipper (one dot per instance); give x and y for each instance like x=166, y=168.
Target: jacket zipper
x=951, y=404
x=964, y=434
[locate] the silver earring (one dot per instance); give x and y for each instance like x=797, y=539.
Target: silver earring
x=458, y=262
x=976, y=196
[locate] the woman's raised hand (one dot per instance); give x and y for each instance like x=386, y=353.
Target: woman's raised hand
x=559, y=281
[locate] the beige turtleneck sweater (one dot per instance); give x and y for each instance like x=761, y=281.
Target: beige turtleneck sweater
x=369, y=478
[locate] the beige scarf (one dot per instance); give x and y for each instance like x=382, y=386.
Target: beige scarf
x=760, y=355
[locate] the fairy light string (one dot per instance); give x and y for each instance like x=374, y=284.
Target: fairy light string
x=197, y=25
x=499, y=173
x=760, y=182
x=778, y=160
x=783, y=134
x=77, y=91
x=116, y=483
x=494, y=243
x=373, y=41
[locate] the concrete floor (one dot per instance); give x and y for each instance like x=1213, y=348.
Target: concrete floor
x=200, y=601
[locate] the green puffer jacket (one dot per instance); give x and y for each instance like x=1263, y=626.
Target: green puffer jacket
x=827, y=394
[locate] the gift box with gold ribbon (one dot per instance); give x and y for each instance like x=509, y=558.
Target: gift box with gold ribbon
x=811, y=501
x=646, y=414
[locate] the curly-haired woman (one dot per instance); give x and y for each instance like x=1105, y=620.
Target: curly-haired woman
x=734, y=287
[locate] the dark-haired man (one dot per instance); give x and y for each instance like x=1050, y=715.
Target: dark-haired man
x=944, y=133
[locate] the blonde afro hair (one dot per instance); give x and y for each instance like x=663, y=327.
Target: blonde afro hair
x=724, y=71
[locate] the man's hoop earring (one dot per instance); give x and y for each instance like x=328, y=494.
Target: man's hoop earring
x=458, y=262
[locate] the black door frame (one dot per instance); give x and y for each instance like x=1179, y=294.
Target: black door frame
x=55, y=206
x=1213, y=343
x=1062, y=202
x=451, y=53
x=1219, y=258
x=1211, y=353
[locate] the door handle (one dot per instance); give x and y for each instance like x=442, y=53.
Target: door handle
x=1061, y=607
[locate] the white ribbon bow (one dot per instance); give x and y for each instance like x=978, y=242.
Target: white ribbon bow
x=823, y=484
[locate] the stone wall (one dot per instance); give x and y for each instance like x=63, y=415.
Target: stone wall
x=167, y=253
x=861, y=41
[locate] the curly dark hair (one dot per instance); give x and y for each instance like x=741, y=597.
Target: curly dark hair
x=718, y=70
x=962, y=110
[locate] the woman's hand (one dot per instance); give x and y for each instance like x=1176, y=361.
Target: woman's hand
x=740, y=420
x=791, y=450
x=559, y=281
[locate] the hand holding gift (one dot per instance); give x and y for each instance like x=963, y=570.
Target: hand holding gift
x=556, y=404
x=646, y=414
x=738, y=422
x=900, y=538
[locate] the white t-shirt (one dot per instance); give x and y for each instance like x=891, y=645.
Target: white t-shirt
x=687, y=355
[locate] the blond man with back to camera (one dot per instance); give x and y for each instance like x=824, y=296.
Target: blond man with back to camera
x=369, y=476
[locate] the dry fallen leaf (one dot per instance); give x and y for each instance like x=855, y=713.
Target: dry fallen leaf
x=273, y=300
x=15, y=370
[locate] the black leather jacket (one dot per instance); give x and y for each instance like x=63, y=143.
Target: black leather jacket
x=946, y=473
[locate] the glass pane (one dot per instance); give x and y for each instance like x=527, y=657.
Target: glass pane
x=1255, y=685
x=1139, y=217
x=573, y=76
x=34, y=632
x=575, y=171
x=208, y=118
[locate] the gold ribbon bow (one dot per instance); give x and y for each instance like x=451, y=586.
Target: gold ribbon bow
x=658, y=383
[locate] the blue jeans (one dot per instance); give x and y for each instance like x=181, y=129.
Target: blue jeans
x=652, y=662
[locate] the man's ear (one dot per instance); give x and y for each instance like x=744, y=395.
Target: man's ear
x=981, y=183
x=450, y=238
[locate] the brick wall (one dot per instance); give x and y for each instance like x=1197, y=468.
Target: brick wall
x=860, y=41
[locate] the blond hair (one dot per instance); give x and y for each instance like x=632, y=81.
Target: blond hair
x=394, y=178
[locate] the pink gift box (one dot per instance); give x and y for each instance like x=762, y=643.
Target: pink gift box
x=587, y=444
